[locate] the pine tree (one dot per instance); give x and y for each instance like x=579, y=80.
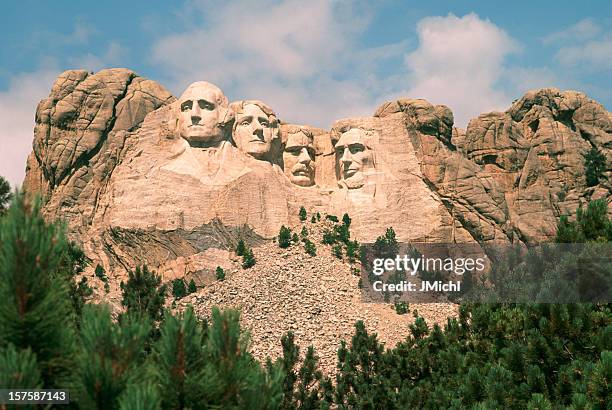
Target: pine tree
x=295, y=238
x=100, y=273
x=313, y=219
x=110, y=357
x=240, y=248
x=179, y=290
x=220, y=273
x=386, y=246
x=284, y=237
x=140, y=396
x=192, y=288
x=234, y=379
x=337, y=251
x=248, y=260
x=352, y=250
x=594, y=166
x=179, y=362
x=310, y=248
x=35, y=307
x=5, y=195
x=143, y=294
x=346, y=220
x=304, y=233
x=19, y=369
x=303, y=214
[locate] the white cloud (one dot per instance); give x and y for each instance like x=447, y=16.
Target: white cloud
x=582, y=30
x=459, y=62
x=594, y=55
x=294, y=55
x=17, y=108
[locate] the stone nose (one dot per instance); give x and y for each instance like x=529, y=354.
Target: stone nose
x=195, y=119
x=346, y=156
x=304, y=158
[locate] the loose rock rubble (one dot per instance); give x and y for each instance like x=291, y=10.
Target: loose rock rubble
x=317, y=298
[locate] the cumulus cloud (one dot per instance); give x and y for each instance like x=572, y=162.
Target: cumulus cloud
x=582, y=30
x=17, y=108
x=294, y=55
x=459, y=62
x=593, y=55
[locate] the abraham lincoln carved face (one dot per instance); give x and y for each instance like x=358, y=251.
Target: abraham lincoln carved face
x=354, y=157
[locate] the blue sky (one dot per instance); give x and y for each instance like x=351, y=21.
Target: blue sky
x=314, y=61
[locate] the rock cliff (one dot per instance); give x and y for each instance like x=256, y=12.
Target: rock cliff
x=142, y=177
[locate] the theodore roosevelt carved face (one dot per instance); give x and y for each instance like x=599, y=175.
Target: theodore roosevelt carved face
x=353, y=157
x=298, y=157
x=256, y=130
x=202, y=115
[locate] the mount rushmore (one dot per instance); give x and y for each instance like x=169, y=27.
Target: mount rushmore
x=140, y=176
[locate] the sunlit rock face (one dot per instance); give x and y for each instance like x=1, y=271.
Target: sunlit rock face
x=142, y=177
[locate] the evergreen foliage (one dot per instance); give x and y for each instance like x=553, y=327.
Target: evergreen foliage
x=310, y=248
x=295, y=238
x=248, y=260
x=594, y=166
x=192, y=288
x=313, y=219
x=179, y=290
x=337, y=251
x=304, y=232
x=386, y=245
x=110, y=357
x=35, y=306
x=178, y=366
x=18, y=369
x=143, y=294
x=346, y=220
x=318, y=216
x=591, y=225
x=303, y=214
x=332, y=218
x=401, y=308
x=240, y=248
x=100, y=274
x=284, y=237
x=220, y=273
x=352, y=250
x=304, y=387
x=5, y=194
x=234, y=378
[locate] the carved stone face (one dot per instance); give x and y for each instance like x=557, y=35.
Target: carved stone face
x=255, y=131
x=353, y=157
x=202, y=110
x=298, y=159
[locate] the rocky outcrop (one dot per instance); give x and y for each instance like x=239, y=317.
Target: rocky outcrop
x=142, y=177
x=80, y=136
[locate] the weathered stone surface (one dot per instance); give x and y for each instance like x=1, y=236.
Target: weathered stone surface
x=142, y=178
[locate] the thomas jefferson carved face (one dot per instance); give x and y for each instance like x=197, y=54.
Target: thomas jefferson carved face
x=298, y=158
x=202, y=114
x=256, y=130
x=353, y=157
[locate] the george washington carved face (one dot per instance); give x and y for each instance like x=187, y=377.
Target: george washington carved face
x=298, y=158
x=353, y=157
x=202, y=115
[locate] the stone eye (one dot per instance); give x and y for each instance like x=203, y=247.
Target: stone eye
x=205, y=105
x=186, y=106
